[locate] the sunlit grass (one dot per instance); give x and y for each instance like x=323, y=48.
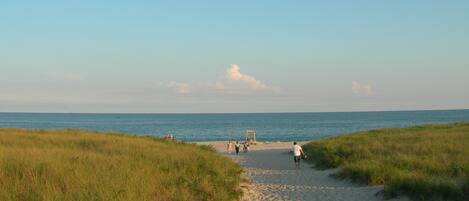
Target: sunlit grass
x=428, y=162
x=66, y=165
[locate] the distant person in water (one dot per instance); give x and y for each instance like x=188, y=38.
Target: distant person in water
x=297, y=152
x=237, y=145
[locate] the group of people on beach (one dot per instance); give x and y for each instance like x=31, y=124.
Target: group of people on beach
x=296, y=150
x=237, y=146
x=169, y=137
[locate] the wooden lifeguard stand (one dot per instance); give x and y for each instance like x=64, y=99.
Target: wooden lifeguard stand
x=250, y=135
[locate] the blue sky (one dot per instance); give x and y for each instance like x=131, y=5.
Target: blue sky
x=233, y=56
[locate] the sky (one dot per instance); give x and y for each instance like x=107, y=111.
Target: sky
x=233, y=56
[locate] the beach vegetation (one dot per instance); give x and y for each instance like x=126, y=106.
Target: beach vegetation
x=73, y=165
x=426, y=162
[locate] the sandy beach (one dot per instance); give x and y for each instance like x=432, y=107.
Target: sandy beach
x=270, y=169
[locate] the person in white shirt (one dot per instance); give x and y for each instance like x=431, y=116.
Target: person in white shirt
x=297, y=152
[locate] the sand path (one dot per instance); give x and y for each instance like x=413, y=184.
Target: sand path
x=273, y=176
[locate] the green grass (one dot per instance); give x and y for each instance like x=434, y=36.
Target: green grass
x=429, y=162
x=67, y=165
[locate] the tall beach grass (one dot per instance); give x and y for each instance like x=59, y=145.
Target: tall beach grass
x=429, y=162
x=68, y=165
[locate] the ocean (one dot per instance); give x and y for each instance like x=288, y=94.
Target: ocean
x=211, y=127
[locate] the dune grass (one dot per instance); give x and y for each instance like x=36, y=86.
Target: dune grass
x=429, y=162
x=67, y=165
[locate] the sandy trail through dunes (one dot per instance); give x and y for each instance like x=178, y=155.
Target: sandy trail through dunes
x=273, y=176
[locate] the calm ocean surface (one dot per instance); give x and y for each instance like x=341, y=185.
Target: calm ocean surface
x=201, y=127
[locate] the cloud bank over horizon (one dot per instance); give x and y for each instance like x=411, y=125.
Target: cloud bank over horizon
x=180, y=87
x=234, y=82
x=362, y=89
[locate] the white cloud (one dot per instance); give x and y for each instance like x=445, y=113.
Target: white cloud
x=233, y=73
x=233, y=82
x=180, y=87
x=362, y=89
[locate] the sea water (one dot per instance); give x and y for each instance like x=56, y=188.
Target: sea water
x=208, y=127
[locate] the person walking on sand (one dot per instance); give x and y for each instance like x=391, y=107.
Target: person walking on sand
x=229, y=147
x=297, y=152
x=237, y=145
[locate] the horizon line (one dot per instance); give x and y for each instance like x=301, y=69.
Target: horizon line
x=189, y=113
